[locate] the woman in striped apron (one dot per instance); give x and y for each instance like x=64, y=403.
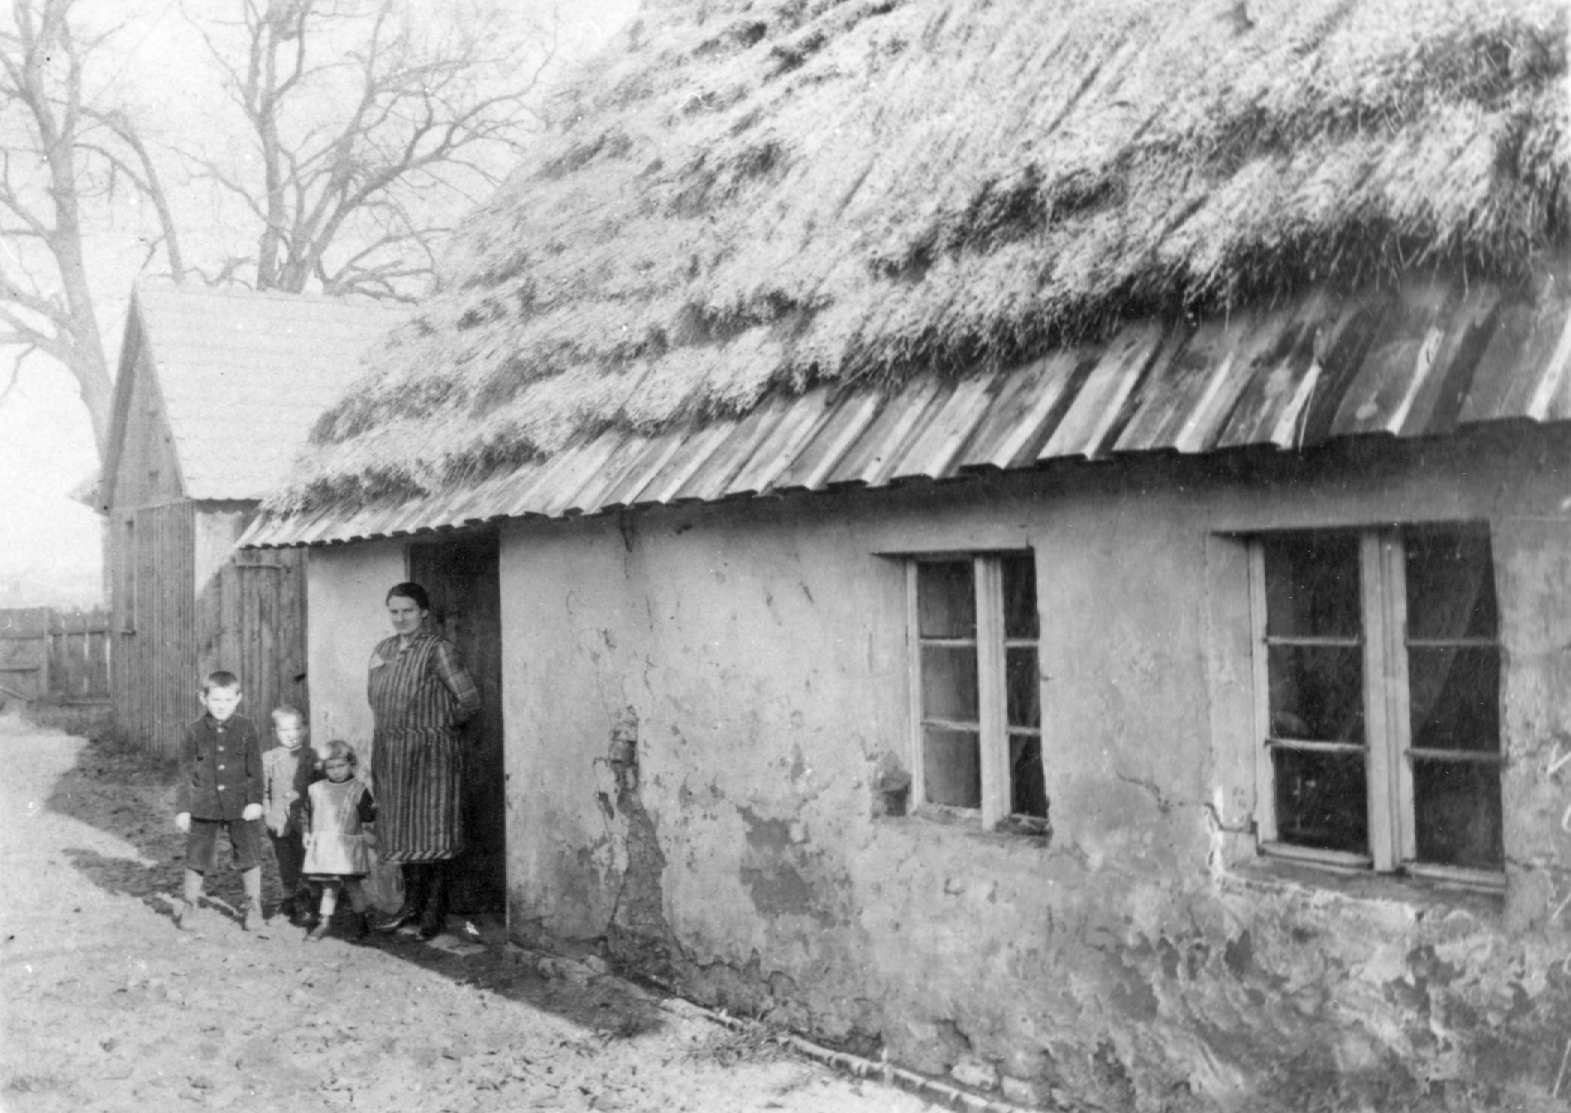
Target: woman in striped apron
x=419, y=695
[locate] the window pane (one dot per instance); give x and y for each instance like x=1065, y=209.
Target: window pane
x=1450, y=584
x=1025, y=691
x=1020, y=618
x=1457, y=820
x=945, y=599
x=1454, y=697
x=952, y=765
x=1027, y=790
x=1312, y=585
x=1317, y=692
x=1320, y=800
x=949, y=683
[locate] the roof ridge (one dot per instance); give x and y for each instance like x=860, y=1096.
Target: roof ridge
x=241, y=293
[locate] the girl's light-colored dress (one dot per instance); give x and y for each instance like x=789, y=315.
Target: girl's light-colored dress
x=335, y=845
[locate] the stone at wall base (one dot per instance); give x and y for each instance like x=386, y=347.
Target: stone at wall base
x=974, y=1073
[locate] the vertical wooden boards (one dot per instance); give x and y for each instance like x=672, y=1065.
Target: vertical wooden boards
x=155, y=662
x=24, y=654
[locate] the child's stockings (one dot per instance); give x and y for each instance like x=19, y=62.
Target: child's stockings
x=330, y=905
x=251, y=881
x=190, y=894
x=329, y=902
x=360, y=923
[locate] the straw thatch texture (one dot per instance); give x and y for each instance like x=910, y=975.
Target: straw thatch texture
x=755, y=196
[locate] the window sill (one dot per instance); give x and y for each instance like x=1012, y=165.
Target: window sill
x=1014, y=831
x=1283, y=875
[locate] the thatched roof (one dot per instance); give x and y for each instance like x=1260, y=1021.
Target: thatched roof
x=753, y=199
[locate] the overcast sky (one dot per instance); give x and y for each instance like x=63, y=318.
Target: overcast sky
x=49, y=546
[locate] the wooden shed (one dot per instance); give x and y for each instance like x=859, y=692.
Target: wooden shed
x=216, y=392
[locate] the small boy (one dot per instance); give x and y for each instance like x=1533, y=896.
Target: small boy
x=220, y=790
x=287, y=772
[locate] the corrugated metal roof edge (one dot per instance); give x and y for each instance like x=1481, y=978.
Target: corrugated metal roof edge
x=281, y=535
x=1419, y=360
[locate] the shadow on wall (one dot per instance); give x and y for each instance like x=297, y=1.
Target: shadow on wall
x=130, y=794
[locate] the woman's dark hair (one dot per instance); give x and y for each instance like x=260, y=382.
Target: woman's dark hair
x=410, y=591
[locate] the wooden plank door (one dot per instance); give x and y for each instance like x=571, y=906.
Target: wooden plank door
x=268, y=598
x=461, y=575
x=253, y=623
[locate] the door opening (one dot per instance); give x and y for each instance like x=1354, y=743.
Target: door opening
x=462, y=577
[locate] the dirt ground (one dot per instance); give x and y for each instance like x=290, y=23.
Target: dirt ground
x=104, y=1005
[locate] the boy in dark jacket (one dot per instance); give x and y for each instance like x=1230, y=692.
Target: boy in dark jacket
x=220, y=792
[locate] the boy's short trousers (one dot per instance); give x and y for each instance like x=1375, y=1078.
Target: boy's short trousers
x=201, y=844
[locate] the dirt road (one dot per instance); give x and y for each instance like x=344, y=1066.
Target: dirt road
x=106, y=1006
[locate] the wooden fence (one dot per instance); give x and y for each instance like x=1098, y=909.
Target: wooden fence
x=52, y=656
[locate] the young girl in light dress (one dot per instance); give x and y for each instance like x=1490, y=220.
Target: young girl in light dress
x=335, y=848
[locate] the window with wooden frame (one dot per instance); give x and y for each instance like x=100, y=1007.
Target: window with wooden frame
x=975, y=688
x=1377, y=691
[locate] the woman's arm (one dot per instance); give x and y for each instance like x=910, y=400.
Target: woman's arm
x=377, y=661
x=450, y=670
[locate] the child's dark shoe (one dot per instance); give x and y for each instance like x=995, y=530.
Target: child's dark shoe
x=432, y=923
x=286, y=909
x=359, y=927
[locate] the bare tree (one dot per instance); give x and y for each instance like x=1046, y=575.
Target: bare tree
x=51, y=141
x=370, y=126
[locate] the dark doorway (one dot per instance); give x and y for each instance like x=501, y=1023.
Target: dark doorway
x=461, y=575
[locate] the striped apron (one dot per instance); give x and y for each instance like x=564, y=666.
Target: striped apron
x=416, y=755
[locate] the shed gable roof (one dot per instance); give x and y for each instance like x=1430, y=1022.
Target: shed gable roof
x=243, y=375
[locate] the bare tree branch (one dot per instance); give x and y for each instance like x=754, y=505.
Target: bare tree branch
x=16, y=295
x=228, y=271
x=418, y=116
x=21, y=331
x=366, y=123
x=149, y=182
x=42, y=67
x=16, y=366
